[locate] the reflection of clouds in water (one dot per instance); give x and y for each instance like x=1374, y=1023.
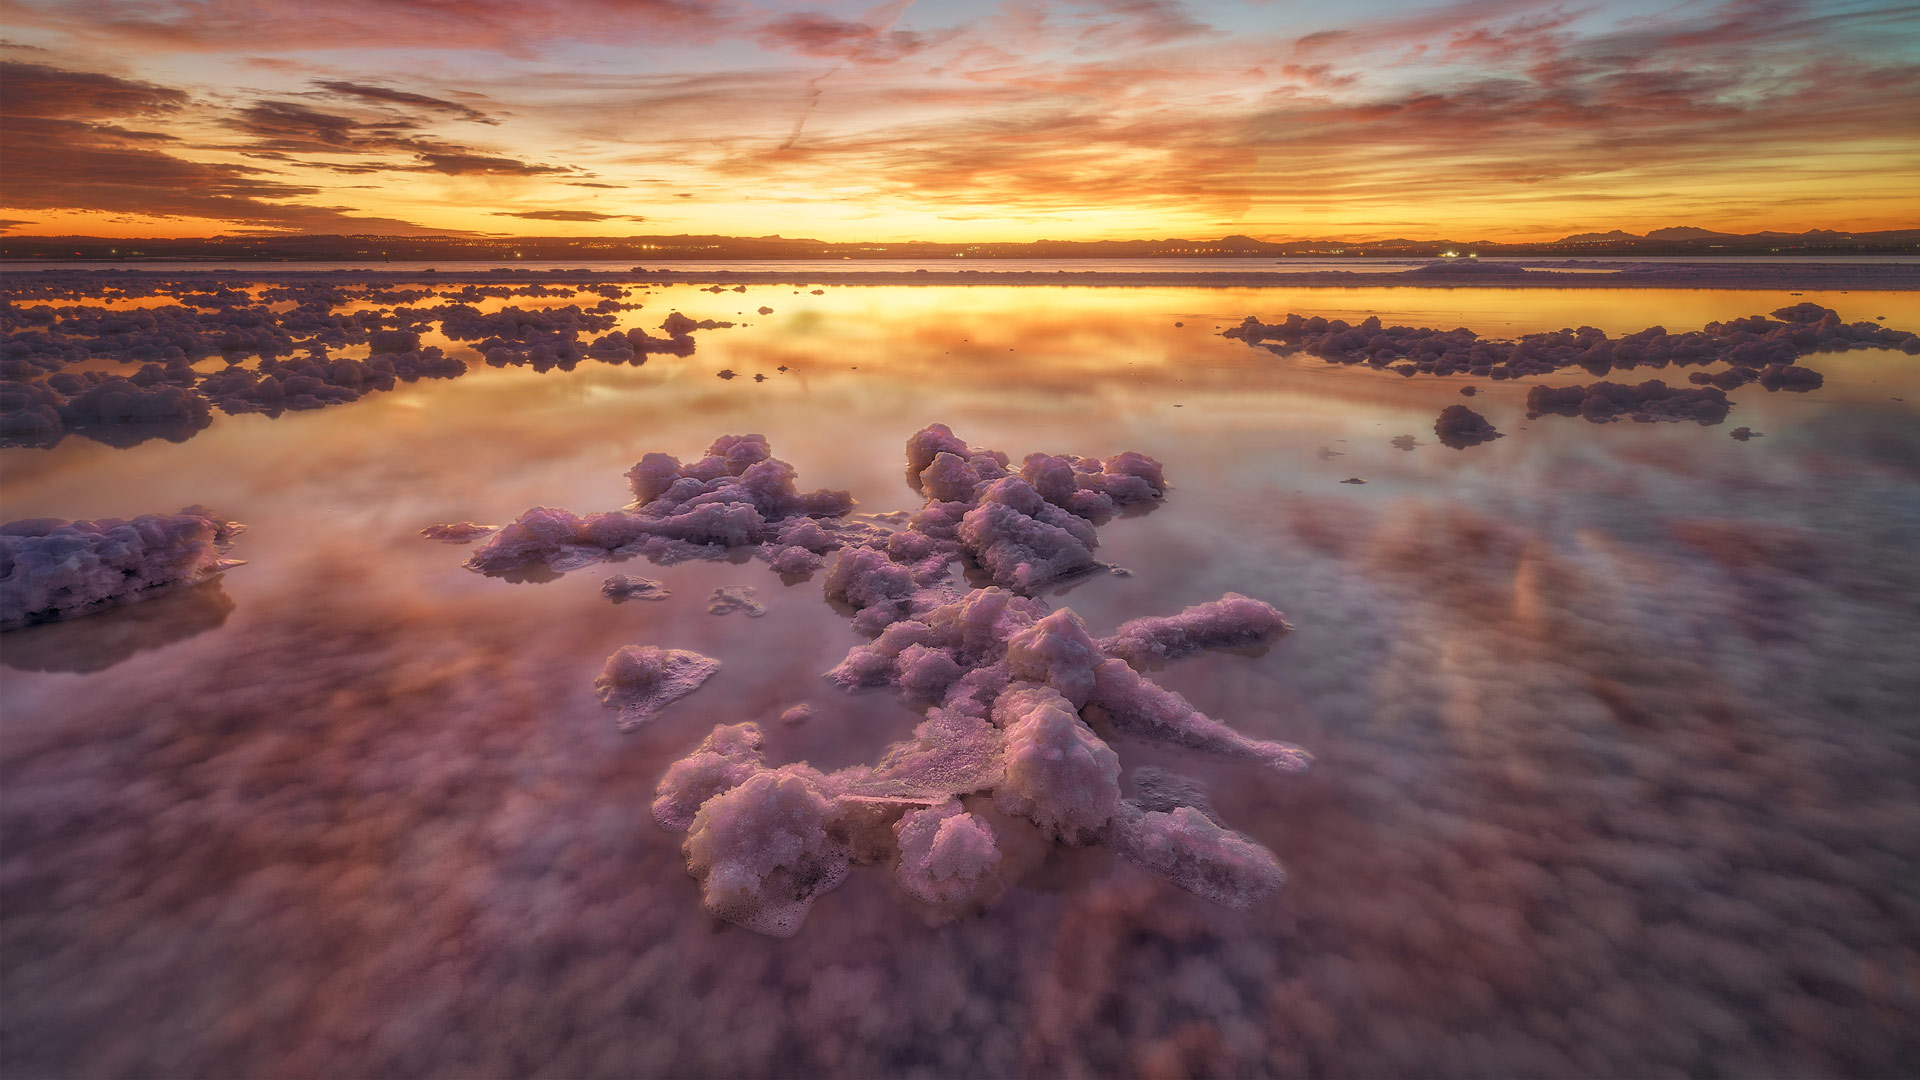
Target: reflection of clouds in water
x=1617, y=768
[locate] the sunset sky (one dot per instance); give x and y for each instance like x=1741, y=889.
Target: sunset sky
x=951, y=120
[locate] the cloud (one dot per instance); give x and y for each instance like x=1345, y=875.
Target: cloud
x=40, y=90
x=511, y=27
x=289, y=127
x=566, y=215
x=1144, y=22
x=60, y=154
x=387, y=96
x=811, y=33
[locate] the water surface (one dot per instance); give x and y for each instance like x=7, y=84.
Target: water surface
x=1617, y=748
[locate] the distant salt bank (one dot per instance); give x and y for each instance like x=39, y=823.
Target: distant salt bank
x=1445, y=274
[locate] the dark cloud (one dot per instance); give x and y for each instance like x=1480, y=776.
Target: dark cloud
x=43, y=91
x=289, y=127
x=459, y=161
x=61, y=154
x=387, y=96
x=566, y=215
x=508, y=26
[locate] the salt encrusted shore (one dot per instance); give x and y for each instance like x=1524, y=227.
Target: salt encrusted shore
x=1623, y=274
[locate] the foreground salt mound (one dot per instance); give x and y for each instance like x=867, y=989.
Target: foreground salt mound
x=1019, y=698
x=640, y=680
x=762, y=853
x=947, y=856
x=52, y=568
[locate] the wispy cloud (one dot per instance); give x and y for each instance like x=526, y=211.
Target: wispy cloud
x=1089, y=117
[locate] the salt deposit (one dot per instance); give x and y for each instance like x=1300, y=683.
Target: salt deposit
x=738, y=495
x=1604, y=402
x=1459, y=427
x=728, y=599
x=459, y=532
x=41, y=401
x=52, y=568
x=640, y=680
x=622, y=587
x=1756, y=347
x=1016, y=694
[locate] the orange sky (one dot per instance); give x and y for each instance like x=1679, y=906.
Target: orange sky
x=956, y=121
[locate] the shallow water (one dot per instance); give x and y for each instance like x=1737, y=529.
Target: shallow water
x=1296, y=264
x=1617, y=751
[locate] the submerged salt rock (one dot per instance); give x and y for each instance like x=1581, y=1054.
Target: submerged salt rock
x=621, y=587
x=460, y=532
x=728, y=599
x=1155, y=788
x=1604, y=402
x=1139, y=706
x=1187, y=848
x=640, y=680
x=1058, y=772
x=762, y=853
x=52, y=568
x=947, y=856
x=723, y=761
x=1231, y=622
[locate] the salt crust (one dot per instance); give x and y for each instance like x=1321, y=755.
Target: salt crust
x=52, y=568
x=1016, y=694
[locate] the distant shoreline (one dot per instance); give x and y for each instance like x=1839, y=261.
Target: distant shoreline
x=1628, y=275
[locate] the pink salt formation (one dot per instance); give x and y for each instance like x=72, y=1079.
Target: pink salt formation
x=459, y=532
x=1647, y=402
x=728, y=599
x=738, y=495
x=1019, y=699
x=45, y=395
x=620, y=588
x=52, y=568
x=1754, y=348
x=1459, y=427
x=641, y=680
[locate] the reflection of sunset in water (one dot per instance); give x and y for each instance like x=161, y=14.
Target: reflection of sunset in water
x=1614, y=722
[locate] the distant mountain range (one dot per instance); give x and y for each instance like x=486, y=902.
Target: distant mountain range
x=1678, y=240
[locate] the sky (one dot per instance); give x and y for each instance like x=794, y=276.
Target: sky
x=1506, y=120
